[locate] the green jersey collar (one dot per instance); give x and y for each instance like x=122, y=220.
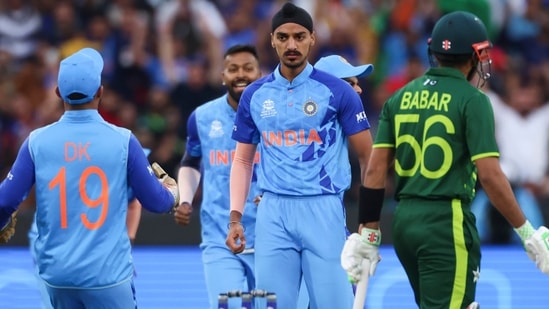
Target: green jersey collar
x=445, y=71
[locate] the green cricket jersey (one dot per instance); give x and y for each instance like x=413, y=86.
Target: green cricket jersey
x=438, y=125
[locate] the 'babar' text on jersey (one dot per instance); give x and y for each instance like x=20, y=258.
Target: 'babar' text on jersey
x=425, y=99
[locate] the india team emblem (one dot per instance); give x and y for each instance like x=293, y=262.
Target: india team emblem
x=216, y=129
x=310, y=108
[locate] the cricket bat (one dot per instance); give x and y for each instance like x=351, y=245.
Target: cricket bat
x=362, y=286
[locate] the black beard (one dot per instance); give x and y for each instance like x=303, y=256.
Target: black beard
x=293, y=65
x=233, y=94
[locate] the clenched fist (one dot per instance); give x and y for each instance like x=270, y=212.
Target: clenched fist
x=182, y=214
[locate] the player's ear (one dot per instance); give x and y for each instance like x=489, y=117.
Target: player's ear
x=313, y=38
x=99, y=92
x=272, y=42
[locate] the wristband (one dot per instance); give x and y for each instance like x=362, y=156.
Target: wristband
x=525, y=231
x=236, y=222
x=370, y=202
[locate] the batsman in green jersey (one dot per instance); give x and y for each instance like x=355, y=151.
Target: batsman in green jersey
x=438, y=132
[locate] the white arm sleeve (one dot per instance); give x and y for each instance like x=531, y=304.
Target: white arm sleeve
x=188, y=179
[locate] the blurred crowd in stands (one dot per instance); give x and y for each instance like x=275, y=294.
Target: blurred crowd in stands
x=163, y=58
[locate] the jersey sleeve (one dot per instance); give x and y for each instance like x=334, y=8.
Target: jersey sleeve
x=148, y=190
x=352, y=115
x=193, y=140
x=385, y=136
x=480, y=128
x=17, y=184
x=244, y=129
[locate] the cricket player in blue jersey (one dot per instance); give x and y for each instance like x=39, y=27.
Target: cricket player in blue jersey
x=339, y=67
x=302, y=121
x=82, y=167
x=210, y=150
x=132, y=223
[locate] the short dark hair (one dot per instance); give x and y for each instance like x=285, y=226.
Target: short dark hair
x=239, y=48
x=76, y=96
x=449, y=60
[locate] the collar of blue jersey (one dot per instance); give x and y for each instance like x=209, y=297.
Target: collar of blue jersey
x=298, y=80
x=81, y=115
x=227, y=105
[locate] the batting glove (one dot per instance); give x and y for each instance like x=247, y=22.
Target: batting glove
x=356, y=249
x=7, y=232
x=168, y=182
x=538, y=246
x=525, y=232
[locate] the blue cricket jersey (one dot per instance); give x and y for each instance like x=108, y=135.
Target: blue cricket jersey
x=209, y=137
x=32, y=234
x=82, y=168
x=301, y=129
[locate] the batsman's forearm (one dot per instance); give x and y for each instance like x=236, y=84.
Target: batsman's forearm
x=498, y=189
x=502, y=198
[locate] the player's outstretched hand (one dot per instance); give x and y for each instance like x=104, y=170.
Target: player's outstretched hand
x=182, y=214
x=356, y=249
x=537, y=246
x=168, y=182
x=236, y=241
x=8, y=230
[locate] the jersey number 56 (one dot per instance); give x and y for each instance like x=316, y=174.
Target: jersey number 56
x=419, y=149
